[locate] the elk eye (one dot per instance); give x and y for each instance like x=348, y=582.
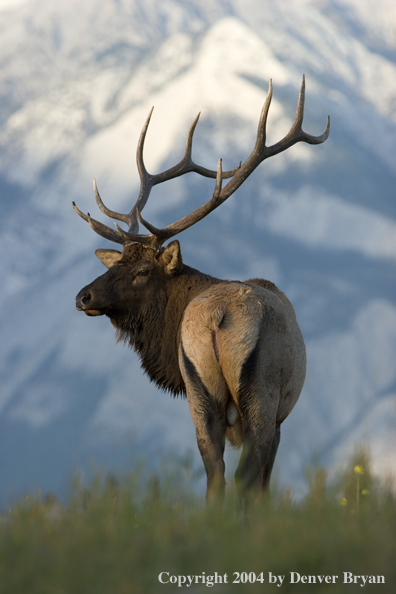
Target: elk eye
x=143, y=272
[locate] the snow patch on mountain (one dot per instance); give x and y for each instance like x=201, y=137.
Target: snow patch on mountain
x=316, y=219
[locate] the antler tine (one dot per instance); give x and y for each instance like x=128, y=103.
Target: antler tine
x=98, y=227
x=110, y=213
x=187, y=165
x=162, y=235
x=145, y=177
x=103, y=230
x=262, y=126
x=189, y=140
x=121, y=237
x=79, y=212
x=296, y=133
x=145, y=180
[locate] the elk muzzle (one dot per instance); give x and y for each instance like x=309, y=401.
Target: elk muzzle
x=86, y=302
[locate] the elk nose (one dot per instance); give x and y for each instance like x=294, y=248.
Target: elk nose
x=83, y=299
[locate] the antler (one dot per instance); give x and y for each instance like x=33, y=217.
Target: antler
x=260, y=152
x=147, y=181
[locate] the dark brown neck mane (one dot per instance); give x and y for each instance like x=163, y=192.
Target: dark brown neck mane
x=152, y=333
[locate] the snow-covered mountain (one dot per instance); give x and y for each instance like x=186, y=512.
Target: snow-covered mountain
x=76, y=83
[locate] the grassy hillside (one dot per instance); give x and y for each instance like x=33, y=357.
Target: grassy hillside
x=122, y=538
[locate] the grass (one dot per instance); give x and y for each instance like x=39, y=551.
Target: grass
x=116, y=538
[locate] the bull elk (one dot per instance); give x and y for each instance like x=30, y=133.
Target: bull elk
x=234, y=349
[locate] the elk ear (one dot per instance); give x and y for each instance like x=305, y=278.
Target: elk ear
x=108, y=257
x=171, y=258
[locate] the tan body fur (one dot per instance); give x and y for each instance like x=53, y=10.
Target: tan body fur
x=221, y=329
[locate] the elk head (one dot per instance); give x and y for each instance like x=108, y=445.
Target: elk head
x=143, y=266
x=135, y=277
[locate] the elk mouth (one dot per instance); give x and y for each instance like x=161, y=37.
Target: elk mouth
x=91, y=312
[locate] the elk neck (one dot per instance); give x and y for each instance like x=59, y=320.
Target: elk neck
x=155, y=332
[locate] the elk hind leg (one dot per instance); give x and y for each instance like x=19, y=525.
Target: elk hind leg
x=207, y=403
x=266, y=471
x=211, y=442
x=261, y=437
